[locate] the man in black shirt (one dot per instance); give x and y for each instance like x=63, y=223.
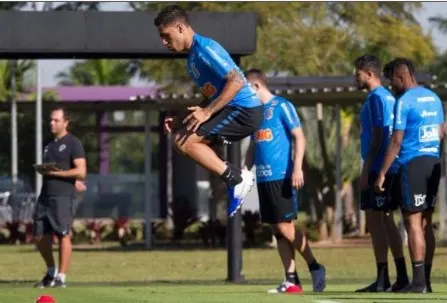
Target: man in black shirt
x=54, y=208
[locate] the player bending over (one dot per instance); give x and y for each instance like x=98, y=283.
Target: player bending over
x=232, y=113
x=279, y=176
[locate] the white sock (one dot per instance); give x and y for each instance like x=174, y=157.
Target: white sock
x=61, y=277
x=52, y=271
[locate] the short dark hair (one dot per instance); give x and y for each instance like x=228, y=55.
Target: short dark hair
x=256, y=74
x=388, y=69
x=171, y=14
x=399, y=62
x=368, y=63
x=65, y=113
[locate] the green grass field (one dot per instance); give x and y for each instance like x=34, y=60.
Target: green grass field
x=108, y=276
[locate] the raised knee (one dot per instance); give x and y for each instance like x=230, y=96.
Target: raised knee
x=38, y=239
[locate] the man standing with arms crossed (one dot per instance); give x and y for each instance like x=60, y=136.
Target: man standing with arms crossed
x=54, y=208
x=418, y=131
x=279, y=176
x=232, y=111
x=376, y=120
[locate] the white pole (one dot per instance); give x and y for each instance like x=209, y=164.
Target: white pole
x=148, y=179
x=14, y=131
x=38, y=126
x=39, y=6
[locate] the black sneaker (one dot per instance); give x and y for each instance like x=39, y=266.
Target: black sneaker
x=59, y=283
x=398, y=286
x=375, y=287
x=411, y=288
x=47, y=281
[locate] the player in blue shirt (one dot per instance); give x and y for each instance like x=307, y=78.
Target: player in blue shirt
x=418, y=131
x=376, y=120
x=232, y=110
x=279, y=176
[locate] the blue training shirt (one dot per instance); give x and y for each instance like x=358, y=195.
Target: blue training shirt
x=377, y=112
x=208, y=63
x=273, y=141
x=419, y=113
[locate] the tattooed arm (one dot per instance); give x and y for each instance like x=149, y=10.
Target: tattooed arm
x=234, y=84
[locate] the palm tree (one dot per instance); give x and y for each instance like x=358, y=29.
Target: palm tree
x=22, y=70
x=440, y=22
x=97, y=72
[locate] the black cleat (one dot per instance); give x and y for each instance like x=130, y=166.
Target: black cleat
x=59, y=283
x=397, y=286
x=411, y=288
x=429, y=289
x=47, y=281
x=375, y=287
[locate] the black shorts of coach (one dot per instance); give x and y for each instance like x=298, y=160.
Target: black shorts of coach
x=53, y=215
x=232, y=123
x=386, y=201
x=278, y=201
x=418, y=182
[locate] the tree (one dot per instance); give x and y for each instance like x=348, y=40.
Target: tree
x=124, y=156
x=440, y=22
x=12, y=5
x=75, y=6
x=439, y=66
x=97, y=72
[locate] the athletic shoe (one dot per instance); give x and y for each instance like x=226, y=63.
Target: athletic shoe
x=411, y=288
x=238, y=193
x=375, y=287
x=59, y=283
x=397, y=286
x=319, y=279
x=47, y=281
x=286, y=287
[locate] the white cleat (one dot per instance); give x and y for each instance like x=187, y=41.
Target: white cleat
x=240, y=191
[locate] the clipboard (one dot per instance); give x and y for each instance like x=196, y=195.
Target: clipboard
x=51, y=166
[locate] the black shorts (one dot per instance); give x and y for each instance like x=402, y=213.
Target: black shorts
x=418, y=182
x=278, y=201
x=53, y=215
x=232, y=123
x=386, y=201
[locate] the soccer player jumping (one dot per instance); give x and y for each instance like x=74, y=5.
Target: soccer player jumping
x=233, y=110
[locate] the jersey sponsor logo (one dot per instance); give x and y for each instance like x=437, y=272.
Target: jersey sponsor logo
x=268, y=113
x=62, y=147
x=428, y=133
x=428, y=114
x=209, y=90
x=419, y=200
x=263, y=135
x=263, y=171
x=426, y=99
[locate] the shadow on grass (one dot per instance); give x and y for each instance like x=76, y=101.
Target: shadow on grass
x=114, y=247
x=198, y=282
